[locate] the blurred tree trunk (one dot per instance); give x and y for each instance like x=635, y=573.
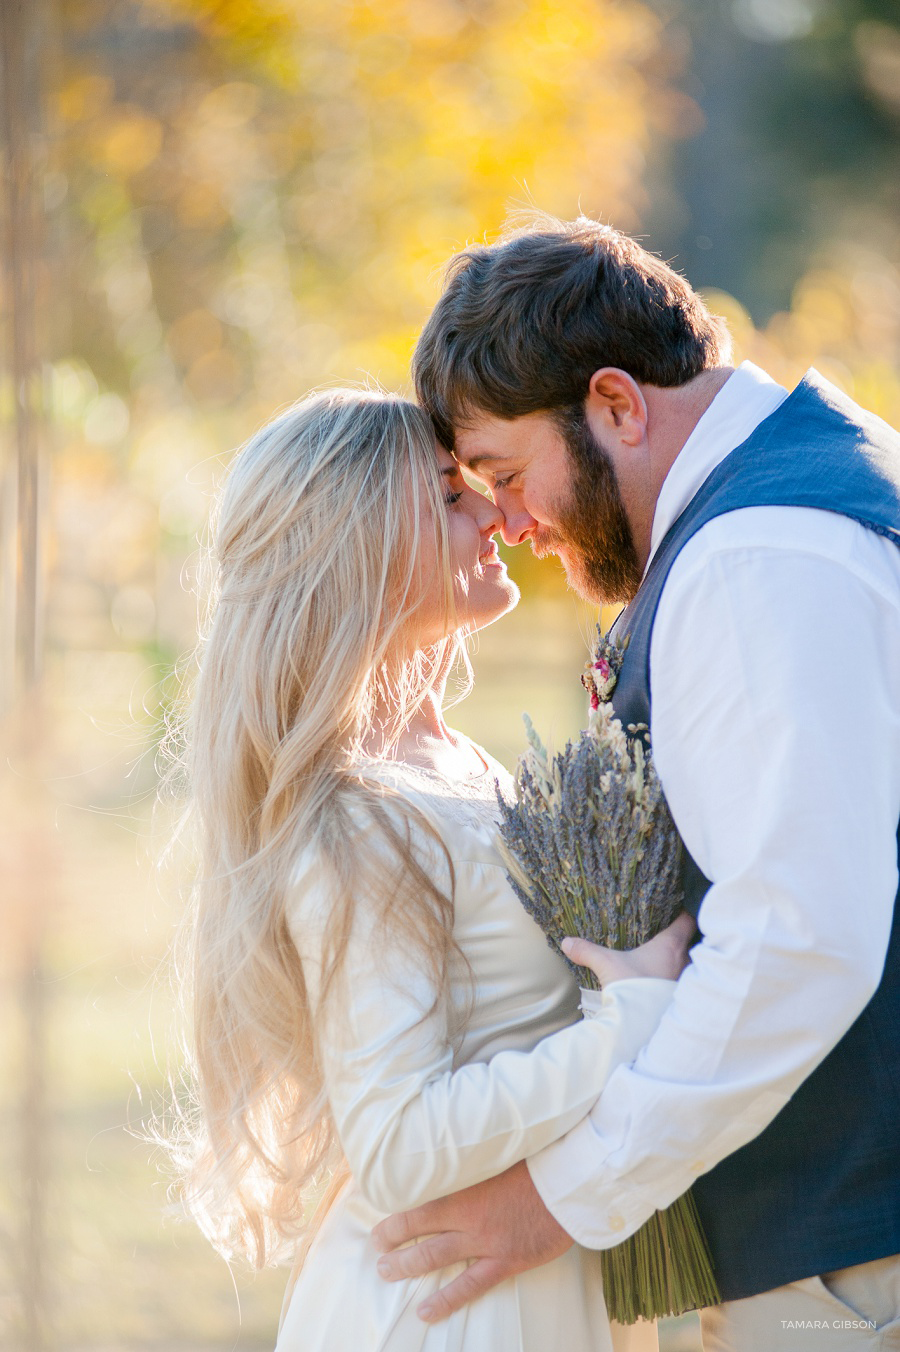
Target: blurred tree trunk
x=22, y=38
x=721, y=177
x=798, y=145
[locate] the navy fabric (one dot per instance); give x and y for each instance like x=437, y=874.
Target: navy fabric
x=819, y=1188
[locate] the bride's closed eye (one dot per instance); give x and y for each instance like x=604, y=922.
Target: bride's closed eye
x=452, y=498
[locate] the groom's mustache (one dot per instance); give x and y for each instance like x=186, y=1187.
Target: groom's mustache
x=546, y=541
x=591, y=529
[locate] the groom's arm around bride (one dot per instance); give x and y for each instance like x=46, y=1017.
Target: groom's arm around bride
x=756, y=536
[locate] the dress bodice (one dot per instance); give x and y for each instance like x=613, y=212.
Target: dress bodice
x=523, y=988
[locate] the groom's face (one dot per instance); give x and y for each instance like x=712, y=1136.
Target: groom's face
x=556, y=486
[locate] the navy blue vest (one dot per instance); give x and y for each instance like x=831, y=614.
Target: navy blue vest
x=819, y=1188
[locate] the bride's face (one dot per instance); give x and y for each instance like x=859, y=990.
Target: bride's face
x=482, y=588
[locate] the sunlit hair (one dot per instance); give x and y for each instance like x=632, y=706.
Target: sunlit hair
x=312, y=630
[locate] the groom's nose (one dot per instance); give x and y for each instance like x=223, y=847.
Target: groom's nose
x=518, y=526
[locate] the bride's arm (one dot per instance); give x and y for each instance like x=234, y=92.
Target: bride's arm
x=411, y=1126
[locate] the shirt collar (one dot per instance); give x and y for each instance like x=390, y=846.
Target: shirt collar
x=744, y=401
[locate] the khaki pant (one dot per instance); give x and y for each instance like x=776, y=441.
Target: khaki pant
x=856, y=1309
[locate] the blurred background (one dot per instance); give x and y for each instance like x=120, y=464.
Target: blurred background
x=209, y=207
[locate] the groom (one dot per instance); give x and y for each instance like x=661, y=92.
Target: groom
x=755, y=535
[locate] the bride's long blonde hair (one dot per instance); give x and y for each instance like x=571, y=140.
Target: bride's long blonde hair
x=316, y=548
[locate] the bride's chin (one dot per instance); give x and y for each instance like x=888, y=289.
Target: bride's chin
x=507, y=599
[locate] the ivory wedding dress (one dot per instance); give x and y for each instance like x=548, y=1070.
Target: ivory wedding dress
x=422, y=1113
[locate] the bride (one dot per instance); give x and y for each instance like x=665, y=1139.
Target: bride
x=376, y=1020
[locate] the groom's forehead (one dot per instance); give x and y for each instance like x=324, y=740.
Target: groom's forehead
x=479, y=444
x=488, y=440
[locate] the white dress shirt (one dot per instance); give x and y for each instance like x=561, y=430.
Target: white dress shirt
x=775, y=685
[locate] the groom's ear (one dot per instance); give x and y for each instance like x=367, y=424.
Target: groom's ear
x=615, y=405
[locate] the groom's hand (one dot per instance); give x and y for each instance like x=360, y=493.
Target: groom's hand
x=499, y=1227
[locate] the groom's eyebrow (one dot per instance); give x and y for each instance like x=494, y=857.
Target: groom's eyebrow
x=477, y=461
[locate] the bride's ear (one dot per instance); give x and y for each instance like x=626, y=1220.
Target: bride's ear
x=615, y=404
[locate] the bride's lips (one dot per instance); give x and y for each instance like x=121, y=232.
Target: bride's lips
x=490, y=558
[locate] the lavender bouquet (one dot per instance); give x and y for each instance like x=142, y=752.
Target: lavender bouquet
x=591, y=850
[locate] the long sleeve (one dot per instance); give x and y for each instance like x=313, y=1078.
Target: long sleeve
x=775, y=679
x=413, y=1127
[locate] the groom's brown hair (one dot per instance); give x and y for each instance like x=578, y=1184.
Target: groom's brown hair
x=523, y=324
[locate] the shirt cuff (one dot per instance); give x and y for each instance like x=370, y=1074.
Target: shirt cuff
x=597, y=1213
x=600, y=1199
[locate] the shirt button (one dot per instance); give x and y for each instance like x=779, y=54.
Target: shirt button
x=616, y=1222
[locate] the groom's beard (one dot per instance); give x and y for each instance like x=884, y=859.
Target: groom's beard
x=592, y=524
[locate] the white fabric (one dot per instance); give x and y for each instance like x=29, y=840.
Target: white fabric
x=417, y=1120
x=775, y=681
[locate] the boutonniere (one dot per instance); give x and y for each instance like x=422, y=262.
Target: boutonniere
x=602, y=672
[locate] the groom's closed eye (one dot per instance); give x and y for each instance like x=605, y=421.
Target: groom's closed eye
x=483, y=470
x=480, y=483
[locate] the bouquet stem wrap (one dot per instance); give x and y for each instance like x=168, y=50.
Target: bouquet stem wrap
x=591, y=850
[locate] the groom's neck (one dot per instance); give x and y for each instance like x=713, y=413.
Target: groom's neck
x=673, y=413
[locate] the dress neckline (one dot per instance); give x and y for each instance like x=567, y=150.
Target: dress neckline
x=474, y=779
x=478, y=788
